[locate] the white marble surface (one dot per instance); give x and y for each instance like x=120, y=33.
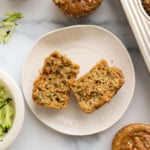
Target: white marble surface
x=41, y=17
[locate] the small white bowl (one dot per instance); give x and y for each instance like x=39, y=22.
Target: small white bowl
x=18, y=102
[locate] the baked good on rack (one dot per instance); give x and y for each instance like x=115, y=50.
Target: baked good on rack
x=52, y=86
x=146, y=5
x=98, y=86
x=77, y=8
x=132, y=137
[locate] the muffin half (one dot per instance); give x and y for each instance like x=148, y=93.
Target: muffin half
x=98, y=86
x=52, y=86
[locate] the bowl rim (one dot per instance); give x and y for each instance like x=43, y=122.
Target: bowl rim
x=143, y=10
x=16, y=93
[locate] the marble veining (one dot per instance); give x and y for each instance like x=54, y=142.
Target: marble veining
x=41, y=17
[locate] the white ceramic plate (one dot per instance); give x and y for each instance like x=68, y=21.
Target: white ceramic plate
x=18, y=100
x=85, y=45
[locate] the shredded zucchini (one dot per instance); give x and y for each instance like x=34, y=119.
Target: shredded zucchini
x=7, y=25
x=6, y=112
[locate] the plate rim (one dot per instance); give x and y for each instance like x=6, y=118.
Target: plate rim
x=128, y=57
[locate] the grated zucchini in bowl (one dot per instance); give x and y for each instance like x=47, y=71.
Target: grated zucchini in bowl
x=6, y=111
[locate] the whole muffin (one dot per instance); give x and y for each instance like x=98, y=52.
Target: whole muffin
x=132, y=137
x=146, y=5
x=77, y=8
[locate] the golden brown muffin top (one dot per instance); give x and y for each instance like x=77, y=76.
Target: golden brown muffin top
x=133, y=137
x=77, y=8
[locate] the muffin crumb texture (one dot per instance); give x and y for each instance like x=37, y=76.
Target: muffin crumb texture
x=98, y=86
x=52, y=86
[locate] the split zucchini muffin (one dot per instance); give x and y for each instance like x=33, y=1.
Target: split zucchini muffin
x=52, y=86
x=132, y=137
x=98, y=86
